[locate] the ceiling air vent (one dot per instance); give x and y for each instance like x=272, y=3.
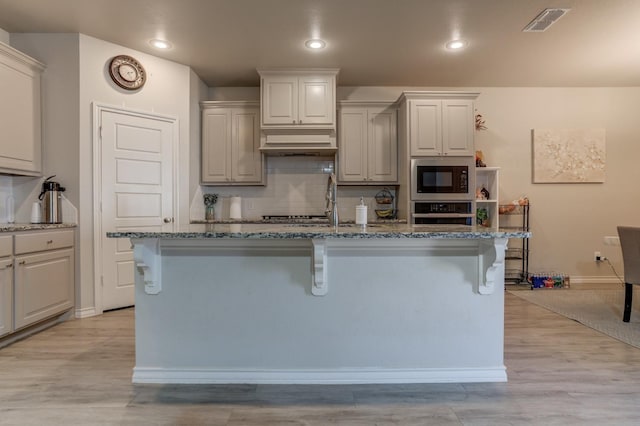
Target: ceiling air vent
x=544, y=20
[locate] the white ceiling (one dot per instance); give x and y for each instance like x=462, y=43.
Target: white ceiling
x=373, y=42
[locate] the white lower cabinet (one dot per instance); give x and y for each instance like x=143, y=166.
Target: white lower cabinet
x=36, y=277
x=6, y=285
x=42, y=286
x=6, y=296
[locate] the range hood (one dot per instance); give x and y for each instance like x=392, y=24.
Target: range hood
x=310, y=142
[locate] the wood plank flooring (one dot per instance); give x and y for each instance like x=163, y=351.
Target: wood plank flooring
x=560, y=373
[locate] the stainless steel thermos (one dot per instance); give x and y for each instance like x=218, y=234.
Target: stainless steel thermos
x=51, y=197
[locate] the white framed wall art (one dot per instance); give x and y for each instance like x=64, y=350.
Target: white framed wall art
x=568, y=155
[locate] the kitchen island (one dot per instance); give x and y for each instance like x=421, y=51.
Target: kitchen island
x=295, y=303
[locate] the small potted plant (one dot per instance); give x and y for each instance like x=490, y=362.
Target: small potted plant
x=209, y=202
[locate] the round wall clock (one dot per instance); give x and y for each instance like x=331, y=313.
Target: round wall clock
x=127, y=72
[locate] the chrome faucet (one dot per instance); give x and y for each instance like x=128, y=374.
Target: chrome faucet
x=332, y=200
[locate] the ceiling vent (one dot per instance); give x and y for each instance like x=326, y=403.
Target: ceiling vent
x=544, y=20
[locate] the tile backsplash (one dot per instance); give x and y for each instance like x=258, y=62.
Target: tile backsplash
x=295, y=186
x=6, y=190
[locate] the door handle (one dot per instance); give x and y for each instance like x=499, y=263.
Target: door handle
x=168, y=219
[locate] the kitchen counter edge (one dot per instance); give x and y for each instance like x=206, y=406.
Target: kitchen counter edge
x=313, y=232
x=21, y=227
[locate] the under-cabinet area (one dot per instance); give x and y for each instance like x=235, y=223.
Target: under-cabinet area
x=36, y=277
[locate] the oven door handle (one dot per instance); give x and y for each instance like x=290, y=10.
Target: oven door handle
x=445, y=215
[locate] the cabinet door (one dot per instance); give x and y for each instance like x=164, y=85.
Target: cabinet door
x=246, y=158
x=6, y=296
x=352, y=149
x=44, y=285
x=20, y=116
x=458, y=127
x=425, y=129
x=280, y=100
x=216, y=145
x=316, y=100
x=383, y=146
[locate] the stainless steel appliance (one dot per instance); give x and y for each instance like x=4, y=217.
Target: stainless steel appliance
x=51, y=197
x=443, y=178
x=440, y=213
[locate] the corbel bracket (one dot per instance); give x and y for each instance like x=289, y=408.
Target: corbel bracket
x=319, y=286
x=491, y=255
x=146, y=255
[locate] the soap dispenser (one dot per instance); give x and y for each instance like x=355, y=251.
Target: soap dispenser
x=361, y=213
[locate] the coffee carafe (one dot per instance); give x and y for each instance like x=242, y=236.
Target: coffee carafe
x=51, y=197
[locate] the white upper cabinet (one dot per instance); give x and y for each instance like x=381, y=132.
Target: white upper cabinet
x=231, y=144
x=20, y=113
x=440, y=123
x=298, y=98
x=368, y=148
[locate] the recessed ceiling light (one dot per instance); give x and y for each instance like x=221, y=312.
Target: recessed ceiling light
x=315, y=44
x=160, y=44
x=456, y=44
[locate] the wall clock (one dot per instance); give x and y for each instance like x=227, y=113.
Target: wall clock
x=127, y=72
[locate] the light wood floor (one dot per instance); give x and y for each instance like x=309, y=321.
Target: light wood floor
x=560, y=373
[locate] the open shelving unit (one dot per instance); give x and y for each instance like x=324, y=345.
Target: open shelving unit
x=488, y=178
x=517, y=257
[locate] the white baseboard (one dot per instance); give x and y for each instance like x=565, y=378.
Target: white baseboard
x=578, y=282
x=335, y=376
x=86, y=312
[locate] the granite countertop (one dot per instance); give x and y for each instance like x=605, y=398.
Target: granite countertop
x=309, y=231
x=289, y=221
x=13, y=227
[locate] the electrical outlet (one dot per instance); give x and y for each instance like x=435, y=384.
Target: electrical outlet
x=612, y=241
x=596, y=256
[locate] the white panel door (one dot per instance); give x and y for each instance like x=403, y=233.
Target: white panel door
x=137, y=193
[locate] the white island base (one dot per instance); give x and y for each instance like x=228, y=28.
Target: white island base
x=319, y=311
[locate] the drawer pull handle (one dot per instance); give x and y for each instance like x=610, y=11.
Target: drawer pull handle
x=49, y=241
x=22, y=262
x=9, y=265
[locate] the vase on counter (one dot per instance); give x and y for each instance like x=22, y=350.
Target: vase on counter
x=209, y=206
x=209, y=213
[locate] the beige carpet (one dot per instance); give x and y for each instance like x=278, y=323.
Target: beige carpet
x=597, y=309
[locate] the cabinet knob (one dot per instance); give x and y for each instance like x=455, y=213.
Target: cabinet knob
x=168, y=219
x=299, y=121
x=10, y=265
x=49, y=241
x=22, y=262
x=294, y=121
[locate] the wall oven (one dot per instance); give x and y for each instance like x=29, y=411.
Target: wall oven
x=439, y=213
x=443, y=178
x=443, y=191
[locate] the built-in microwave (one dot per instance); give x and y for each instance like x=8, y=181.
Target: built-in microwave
x=443, y=178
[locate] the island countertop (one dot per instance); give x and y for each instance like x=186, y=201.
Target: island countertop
x=318, y=231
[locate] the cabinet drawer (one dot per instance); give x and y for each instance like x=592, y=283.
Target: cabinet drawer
x=6, y=246
x=40, y=241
